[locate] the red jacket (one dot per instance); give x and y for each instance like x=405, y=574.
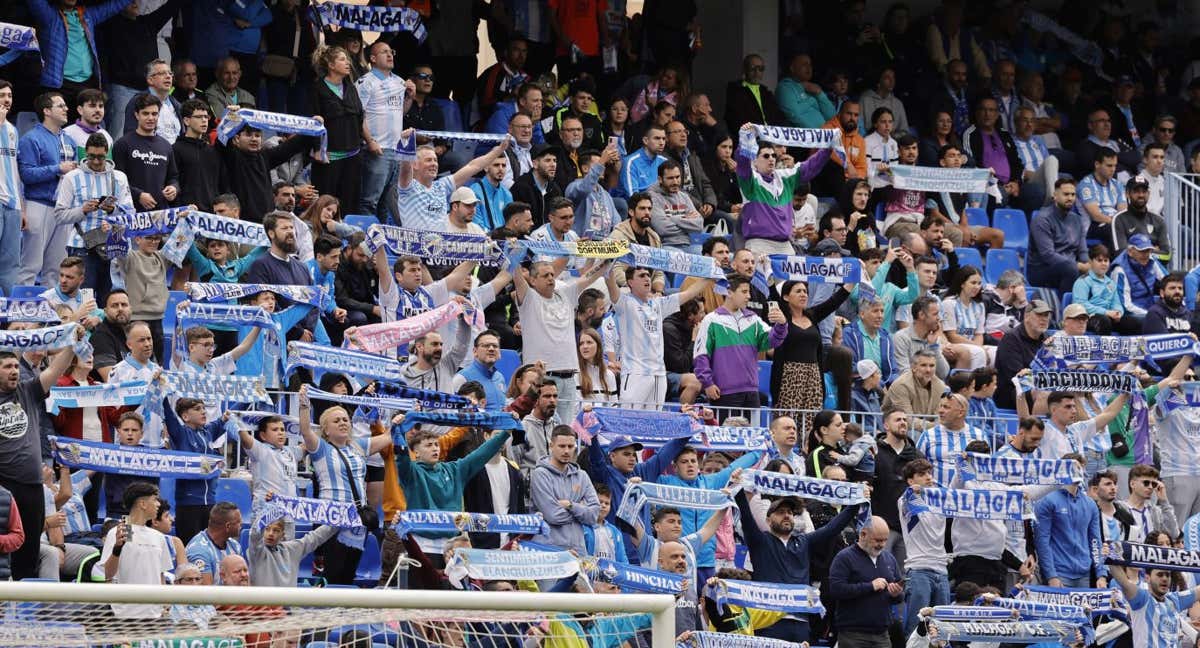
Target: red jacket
x=69, y=421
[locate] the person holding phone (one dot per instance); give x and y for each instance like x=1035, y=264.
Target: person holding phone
x=85, y=196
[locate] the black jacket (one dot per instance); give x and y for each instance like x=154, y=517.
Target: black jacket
x=740, y=107
x=677, y=343
x=973, y=141
x=199, y=172
x=343, y=115
x=477, y=498
x=130, y=43
x=247, y=175
x=525, y=190
x=356, y=289
x=888, y=484
x=593, y=130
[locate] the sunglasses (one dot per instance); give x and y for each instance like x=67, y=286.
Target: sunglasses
x=1149, y=483
x=424, y=76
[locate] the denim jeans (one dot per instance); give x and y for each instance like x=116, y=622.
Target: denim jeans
x=10, y=246
x=119, y=97
x=379, y=176
x=923, y=588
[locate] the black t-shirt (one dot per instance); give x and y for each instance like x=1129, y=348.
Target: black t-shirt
x=20, y=439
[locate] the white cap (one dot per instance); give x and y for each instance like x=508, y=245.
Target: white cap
x=464, y=195
x=866, y=368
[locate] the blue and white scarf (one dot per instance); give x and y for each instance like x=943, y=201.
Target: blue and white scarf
x=638, y=424
x=775, y=484
x=940, y=179
x=233, y=122
x=211, y=226
x=975, y=504
x=51, y=338
x=581, y=249
x=343, y=515
x=1083, y=49
x=638, y=495
x=972, y=613
x=1024, y=632
x=18, y=39
x=1133, y=554
x=1021, y=471
x=777, y=597
x=209, y=292
x=210, y=388
x=463, y=137
x=827, y=270
x=231, y=315
x=134, y=460
x=673, y=261
x=1087, y=349
x=1035, y=610
x=27, y=310
x=120, y=394
x=1101, y=382
x=809, y=138
x=631, y=578
x=726, y=640
x=158, y=222
x=441, y=246
x=490, y=564
x=363, y=400
x=1100, y=602
x=373, y=19
x=249, y=420
x=458, y=522
x=484, y=420
x=321, y=359
x=428, y=399
x=725, y=437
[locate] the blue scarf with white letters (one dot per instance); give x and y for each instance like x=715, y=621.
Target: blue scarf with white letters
x=27, y=310
x=458, y=522
x=1022, y=471
x=134, y=460
x=777, y=597
x=343, y=515
x=978, y=504
x=321, y=359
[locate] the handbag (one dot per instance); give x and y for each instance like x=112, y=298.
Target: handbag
x=277, y=66
x=366, y=513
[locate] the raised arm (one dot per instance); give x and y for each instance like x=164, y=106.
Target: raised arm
x=480, y=164
x=312, y=440
x=695, y=290
x=246, y=344
x=1110, y=412
x=710, y=527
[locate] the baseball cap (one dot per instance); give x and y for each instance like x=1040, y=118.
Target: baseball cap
x=1137, y=182
x=788, y=501
x=830, y=246
x=543, y=149
x=1040, y=307
x=623, y=441
x=866, y=368
x=1074, y=310
x=1140, y=241
x=463, y=195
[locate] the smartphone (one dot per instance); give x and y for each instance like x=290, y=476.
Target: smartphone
x=894, y=242
x=128, y=528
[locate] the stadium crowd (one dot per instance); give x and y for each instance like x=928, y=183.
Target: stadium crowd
x=587, y=130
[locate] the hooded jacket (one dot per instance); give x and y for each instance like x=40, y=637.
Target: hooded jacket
x=247, y=174
x=669, y=216
x=439, y=486
x=279, y=566
x=82, y=185
x=199, y=171
x=548, y=485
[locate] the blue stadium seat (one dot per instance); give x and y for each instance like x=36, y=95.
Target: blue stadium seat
x=677, y=280
x=26, y=292
x=1015, y=226
x=234, y=490
x=321, y=644
x=879, y=215
x=764, y=380
x=998, y=261
x=969, y=256
x=166, y=490
x=450, y=113
x=367, y=574
x=508, y=363
x=1067, y=300
x=361, y=221
x=976, y=215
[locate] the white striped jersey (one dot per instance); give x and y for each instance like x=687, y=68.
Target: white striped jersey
x=382, y=98
x=1107, y=195
x=942, y=448
x=398, y=304
x=272, y=469
x=639, y=327
x=1178, y=436
x=1156, y=623
x=331, y=470
x=10, y=176
x=82, y=184
x=425, y=208
x=207, y=556
x=77, y=516
x=1056, y=442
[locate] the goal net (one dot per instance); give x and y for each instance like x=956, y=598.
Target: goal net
x=77, y=615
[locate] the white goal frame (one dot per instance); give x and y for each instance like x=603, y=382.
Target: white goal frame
x=661, y=607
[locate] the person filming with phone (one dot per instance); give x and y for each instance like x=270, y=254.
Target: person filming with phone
x=85, y=196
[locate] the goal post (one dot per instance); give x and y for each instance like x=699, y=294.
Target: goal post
x=79, y=614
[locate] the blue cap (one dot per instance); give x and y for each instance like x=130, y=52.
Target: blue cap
x=623, y=441
x=1140, y=241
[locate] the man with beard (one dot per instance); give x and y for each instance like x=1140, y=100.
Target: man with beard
x=355, y=284
x=108, y=338
x=429, y=367
x=1169, y=314
x=1017, y=348
x=1138, y=219
x=482, y=369
x=636, y=229
x=865, y=580
x=569, y=163
x=285, y=197
x=780, y=556
x=279, y=266
x=673, y=557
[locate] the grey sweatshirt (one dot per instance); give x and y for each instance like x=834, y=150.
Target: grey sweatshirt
x=279, y=566
x=547, y=486
x=669, y=216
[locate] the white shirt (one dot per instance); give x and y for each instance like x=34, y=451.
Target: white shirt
x=548, y=327
x=142, y=562
x=497, y=472
x=382, y=98
x=639, y=326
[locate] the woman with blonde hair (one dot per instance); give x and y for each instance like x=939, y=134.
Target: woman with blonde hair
x=339, y=461
x=597, y=384
x=338, y=105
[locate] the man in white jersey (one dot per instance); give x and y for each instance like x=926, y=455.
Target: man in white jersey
x=639, y=319
x=1026, y=443
x=385, y=98
x=422, y=197
x=10, y=192
x=943, y=443
x=1155, y=620
x=406, y=289
x=1066, y=431
x=1178, y=439
x=139, y=363
x=547, y=324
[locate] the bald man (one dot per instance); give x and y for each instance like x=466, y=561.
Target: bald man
x=234, y=571
x=865, y=580
x=673, y=557
x=785, y=437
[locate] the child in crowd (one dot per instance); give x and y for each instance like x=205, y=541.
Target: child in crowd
x=1099, y=296
x=982, y=409
x=867, y=394
x=274, y=560
x=213, y=261
x=272, y=462
x=859, y=459
x=145, y=279
x=602, y=539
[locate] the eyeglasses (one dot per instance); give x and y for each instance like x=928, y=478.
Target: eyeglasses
x=163, y=73
x=1163, y=129
x=96, y=156
x=1149, y=483
x=758, y=68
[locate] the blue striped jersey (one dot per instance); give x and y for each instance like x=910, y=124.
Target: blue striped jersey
x=640, y=329
x=10, y=176
x=331, y=470
x=1106, y=195
x=1156, y=623
x=942, y=447
x=207, y=556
